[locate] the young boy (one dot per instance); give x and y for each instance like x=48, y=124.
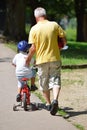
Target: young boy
x=21, y=69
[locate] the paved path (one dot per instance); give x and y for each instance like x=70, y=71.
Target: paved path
x=21, y=120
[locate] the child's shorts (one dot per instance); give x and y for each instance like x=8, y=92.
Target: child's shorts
x=29, y=76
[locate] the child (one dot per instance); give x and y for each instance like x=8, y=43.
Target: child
x=21, y=69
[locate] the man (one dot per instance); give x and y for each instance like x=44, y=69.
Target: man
x=44, y=39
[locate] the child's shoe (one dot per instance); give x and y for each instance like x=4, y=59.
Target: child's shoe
x=33, y=88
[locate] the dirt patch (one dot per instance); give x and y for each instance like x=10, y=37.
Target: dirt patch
x=73, y=96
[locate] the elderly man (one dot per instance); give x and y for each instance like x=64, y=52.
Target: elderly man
x=44, y=39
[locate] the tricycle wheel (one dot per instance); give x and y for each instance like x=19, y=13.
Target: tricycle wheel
x=14, y=107
x=25, y=101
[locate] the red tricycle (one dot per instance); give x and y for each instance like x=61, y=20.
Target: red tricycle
x=25, y=96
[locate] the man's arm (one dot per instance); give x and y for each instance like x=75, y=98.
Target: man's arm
x=32, y=50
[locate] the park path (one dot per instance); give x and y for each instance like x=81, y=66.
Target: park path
x=21, y=120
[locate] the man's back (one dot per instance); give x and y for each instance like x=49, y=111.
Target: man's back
x=44, y=35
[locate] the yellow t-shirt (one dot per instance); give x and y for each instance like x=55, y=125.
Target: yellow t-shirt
x=44, y=35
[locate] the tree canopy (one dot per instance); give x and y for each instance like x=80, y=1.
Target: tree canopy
x=15, y=13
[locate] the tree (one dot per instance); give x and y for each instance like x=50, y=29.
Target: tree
x=16, y=11
x=70, y=8
x=2, y=15
x=33, y=4
x=15, y=19
x=85, y=28
x=81, y=15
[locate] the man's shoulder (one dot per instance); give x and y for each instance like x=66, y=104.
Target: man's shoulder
x=53, y=23
x=33, y=28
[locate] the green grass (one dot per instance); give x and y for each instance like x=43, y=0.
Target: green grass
x=71, y=34
x=12, y=45
x=39, y=95
x=75, y=54
x=63, y=113
x=27, y=28
x=78, y=126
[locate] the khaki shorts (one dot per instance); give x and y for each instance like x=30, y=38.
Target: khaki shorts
x=49, y=75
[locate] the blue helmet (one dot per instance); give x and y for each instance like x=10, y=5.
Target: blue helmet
x=23, y=46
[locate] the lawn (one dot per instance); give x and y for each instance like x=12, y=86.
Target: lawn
x=76, y=54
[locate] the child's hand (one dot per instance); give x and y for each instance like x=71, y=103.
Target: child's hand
x=14, y=65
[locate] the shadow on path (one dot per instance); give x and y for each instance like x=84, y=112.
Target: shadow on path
x=73, y=113
x=6, y=59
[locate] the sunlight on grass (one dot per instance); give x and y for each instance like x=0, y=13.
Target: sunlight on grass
x=12, y=45
x=78, y=126
x=39, y=95
x=73, y=61
x=63, y=113
x=27, y=28
x=76, y=54
x=71, y=34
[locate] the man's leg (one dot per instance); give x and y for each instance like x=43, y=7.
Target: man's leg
x=56, y=92
x=54, y=105
x=55, y=81
x=46, y=94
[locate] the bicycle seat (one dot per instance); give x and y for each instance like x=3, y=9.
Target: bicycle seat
x=24, y=79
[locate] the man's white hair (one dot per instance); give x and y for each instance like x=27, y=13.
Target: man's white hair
x=38, y=12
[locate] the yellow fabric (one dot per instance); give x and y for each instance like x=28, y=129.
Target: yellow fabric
x=44, y=35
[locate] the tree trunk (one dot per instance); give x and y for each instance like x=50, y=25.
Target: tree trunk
x=85, y=28
x=2, y=15
x=33, y=4
x=15, y=20
x=80, y=11
x=80, y=36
